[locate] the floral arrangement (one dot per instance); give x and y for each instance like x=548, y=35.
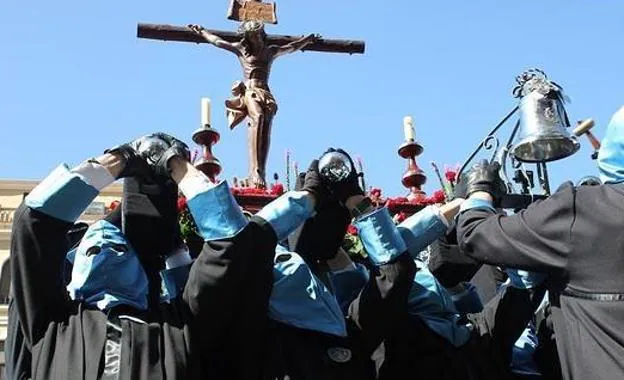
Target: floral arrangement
x=188, y=228
x=437, y=197
x=275, y=190
x=450, y=173
x=352, y=244
x=241, y=188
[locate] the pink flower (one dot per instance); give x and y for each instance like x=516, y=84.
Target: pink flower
x=249, y=191
x=400, y=217
x=418, y=199
x=352, y=230
x=450, y=172
x=450, y=175
x=438, y=196
x=375, y=193
x=181, y=204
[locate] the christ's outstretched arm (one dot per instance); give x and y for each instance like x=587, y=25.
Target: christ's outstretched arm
x=295, y=45
x=214, y=39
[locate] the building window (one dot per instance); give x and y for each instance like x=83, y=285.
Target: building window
x=5, y=282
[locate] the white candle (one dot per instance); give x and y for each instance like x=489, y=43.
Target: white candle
x=205, y=111
x=408, y=128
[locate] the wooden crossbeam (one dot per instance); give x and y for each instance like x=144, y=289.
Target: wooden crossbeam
x=183, y=34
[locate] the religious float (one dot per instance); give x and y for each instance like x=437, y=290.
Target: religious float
x=539, y=134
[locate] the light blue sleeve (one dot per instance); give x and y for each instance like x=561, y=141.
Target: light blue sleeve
x=380, y=237
x=468, y=300
x=62, y=194
x=421, y=229
x=173, y=282
x=216, y=213
x=476, y=203
x=300, y=299
x=287, y=213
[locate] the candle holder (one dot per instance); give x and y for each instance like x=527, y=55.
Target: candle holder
x=208, y=164
x=414, y=177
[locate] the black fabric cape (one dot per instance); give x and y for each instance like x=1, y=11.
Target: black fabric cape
x=576, y=237
x=65, y=338
x=413, y=348
x=298, y=354
x=198, y=334
x=228, y=292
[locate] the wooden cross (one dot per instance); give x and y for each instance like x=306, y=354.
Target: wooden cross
x=245, y=10
x=166, y=32
x=255, y=50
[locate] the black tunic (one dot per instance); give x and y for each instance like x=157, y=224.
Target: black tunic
x=228, y=291
x=576, y=237
x=411, y=347
x=66, y=338
x=298, y=354
x=17, y=357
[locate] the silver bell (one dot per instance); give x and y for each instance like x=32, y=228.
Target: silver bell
x=542, y=134
x=589, y=180
x=335, y=166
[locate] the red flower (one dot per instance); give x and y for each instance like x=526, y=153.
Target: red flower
x=181, y=204
x=400, y=217
x=418, y=199
x=352, y=230
x=438, y=196
x=376, y=193
x=450, y=175
x=248, y=191
x=113, y=205
x=277, y=189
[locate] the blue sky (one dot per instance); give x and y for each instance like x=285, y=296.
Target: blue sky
x=75, y=80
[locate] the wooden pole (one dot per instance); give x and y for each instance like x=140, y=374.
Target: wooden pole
x=183, y=34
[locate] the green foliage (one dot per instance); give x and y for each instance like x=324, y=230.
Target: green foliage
x=188, y=228
x=353, y=246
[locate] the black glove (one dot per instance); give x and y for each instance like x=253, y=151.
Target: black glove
x=312, y=182
x=176, y=148
x=149, y=155
x=300, y=181
x=484, y=177
x=320, y=236
x=461, y=189
x=349, y=186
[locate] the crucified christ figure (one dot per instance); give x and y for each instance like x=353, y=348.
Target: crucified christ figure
x=252, y=97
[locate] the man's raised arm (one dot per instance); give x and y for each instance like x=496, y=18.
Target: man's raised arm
x=39, y=243
x=535, y=239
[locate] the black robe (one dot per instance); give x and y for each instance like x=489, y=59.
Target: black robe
x=411, y=347
x=576, y=237
x=298, y=354
x=228, y=291
x=65, y=338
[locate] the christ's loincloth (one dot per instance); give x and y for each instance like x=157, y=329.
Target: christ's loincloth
x=236, y=106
